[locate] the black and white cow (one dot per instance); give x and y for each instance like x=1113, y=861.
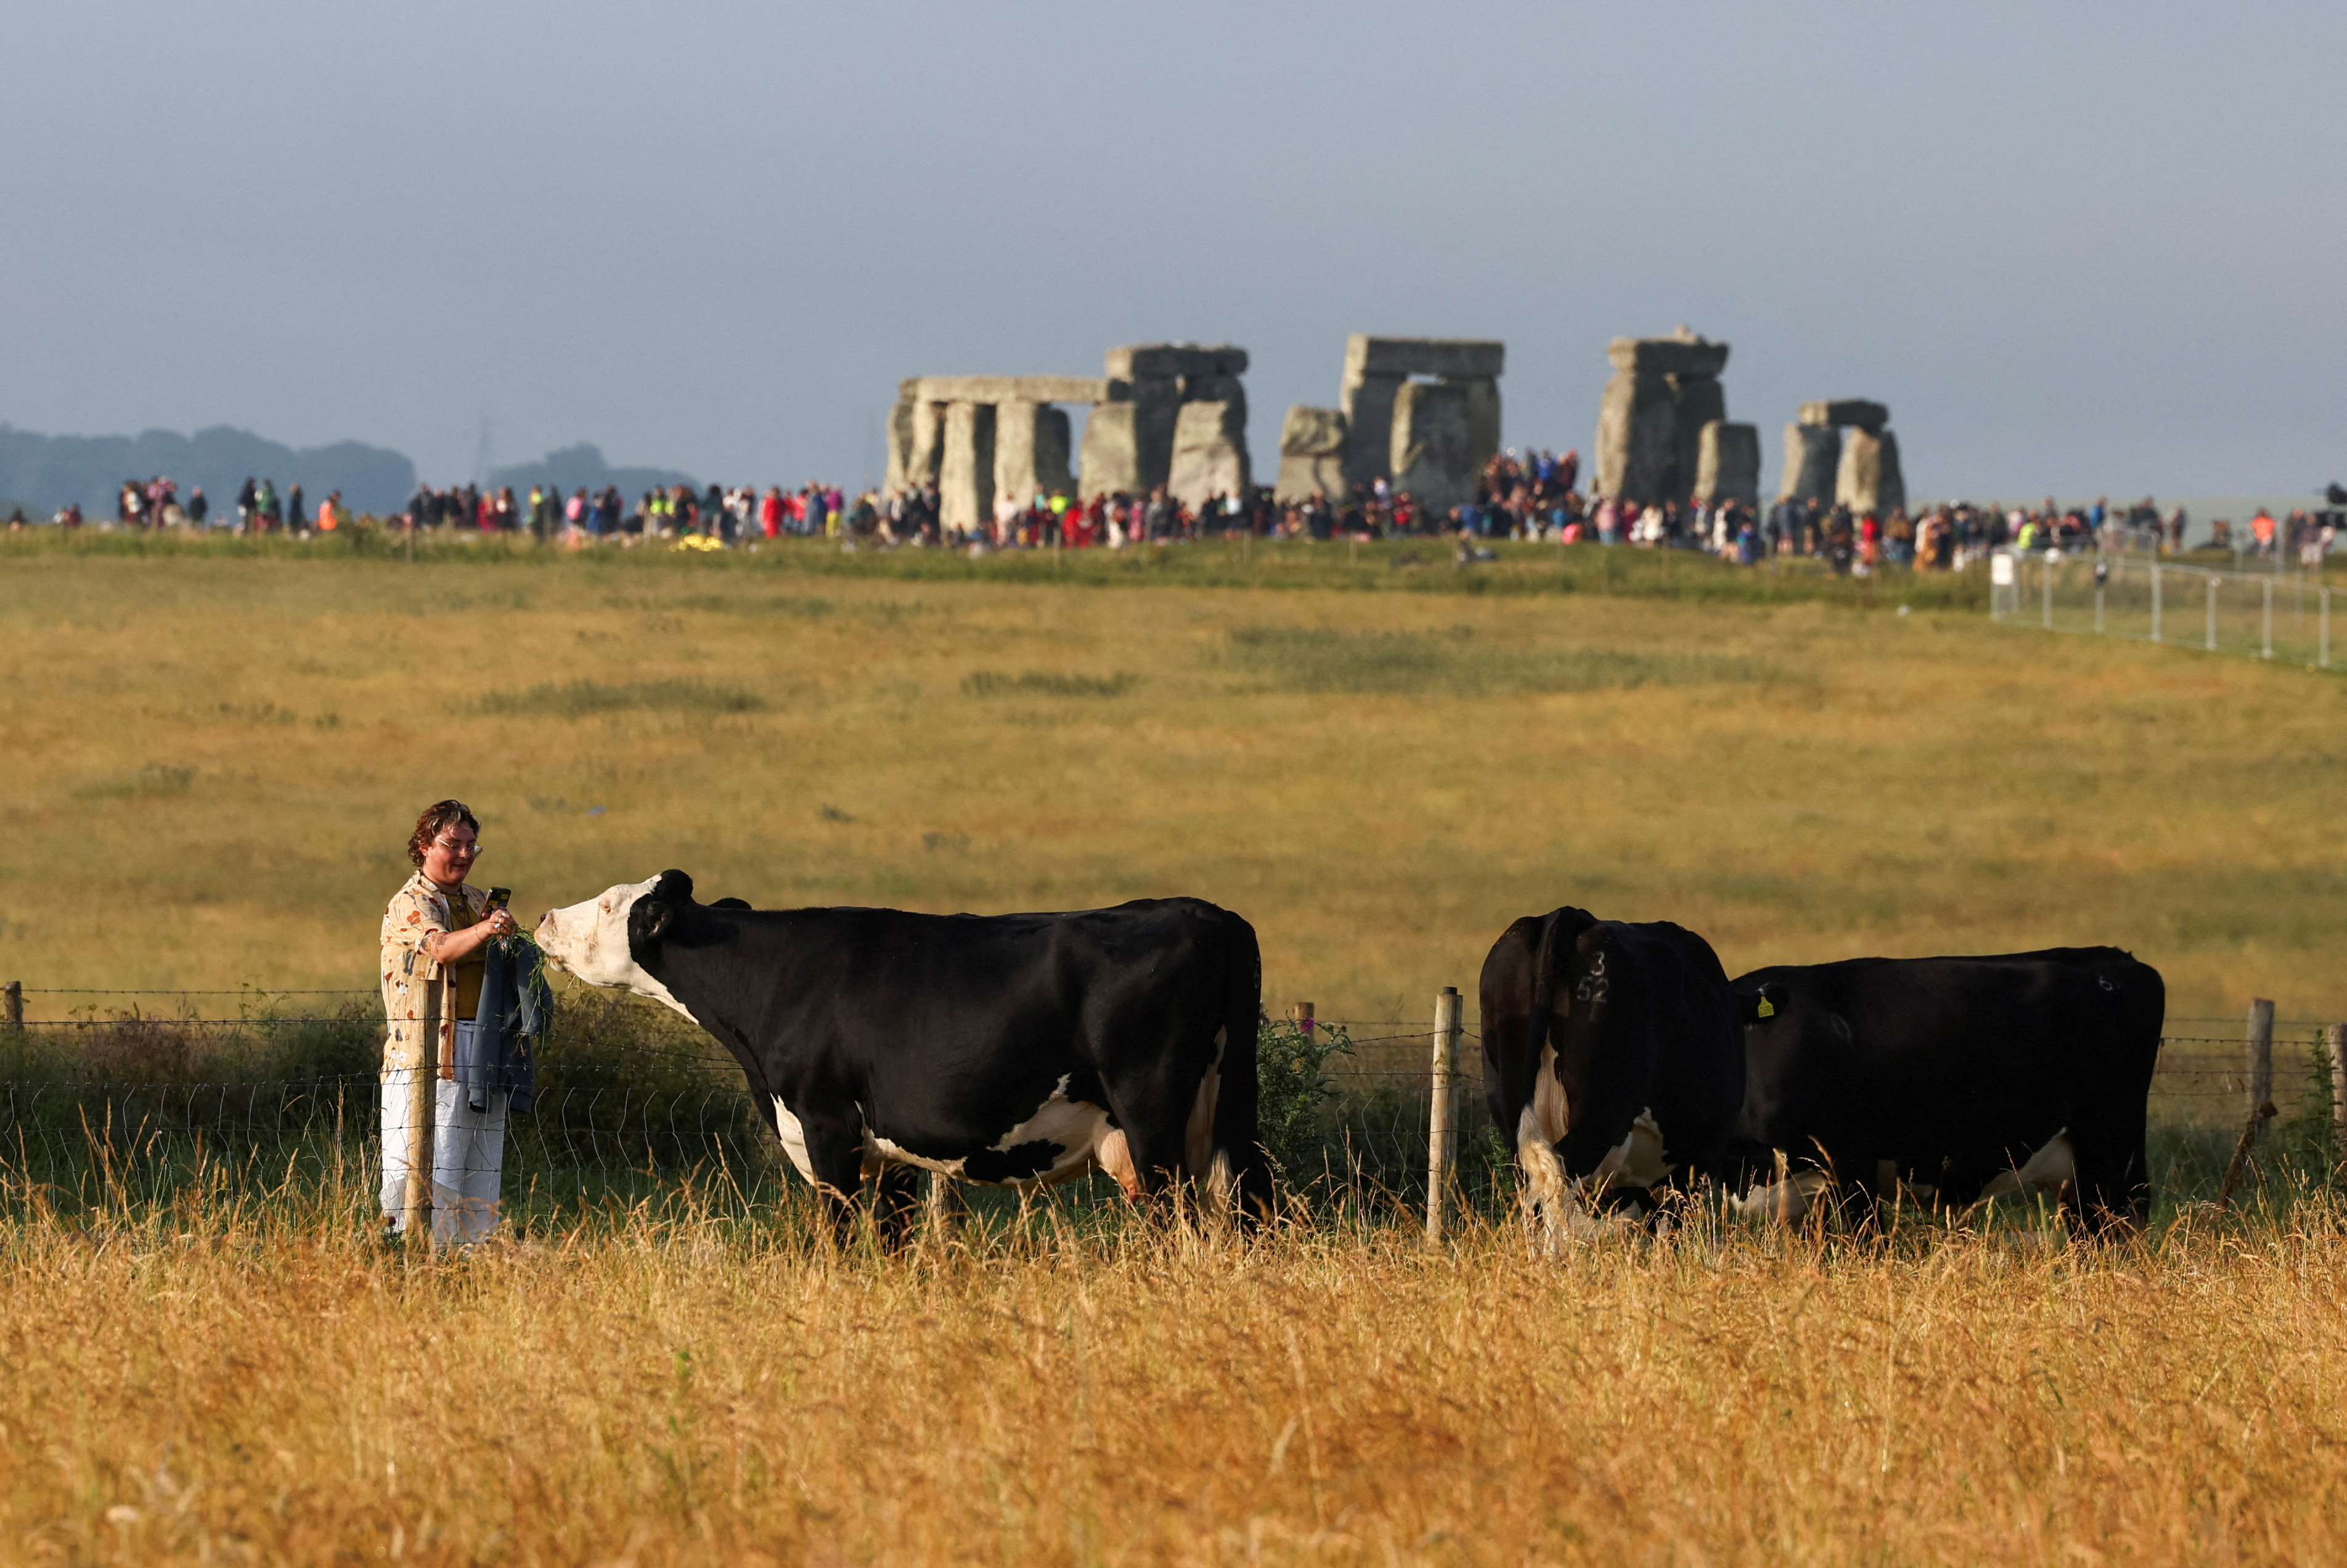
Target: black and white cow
x=1960, y=1079
x=1612, y=1056
x=1008, y=1050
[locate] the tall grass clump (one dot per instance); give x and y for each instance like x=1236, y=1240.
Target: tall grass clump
x=585, y=699
x=1458, y=662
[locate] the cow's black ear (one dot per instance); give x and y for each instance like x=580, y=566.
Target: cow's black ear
x=649, y=921
x=1765, y=1004
x=674, y=885
x=731, y=903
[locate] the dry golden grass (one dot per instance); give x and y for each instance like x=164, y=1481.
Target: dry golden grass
x=228, y=1387
x=213, y=763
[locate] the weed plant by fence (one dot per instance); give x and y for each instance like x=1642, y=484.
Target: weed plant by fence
x=2269, y=614
x=115, y=1104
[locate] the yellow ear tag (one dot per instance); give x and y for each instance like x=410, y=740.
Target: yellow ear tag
x=1768, y=1007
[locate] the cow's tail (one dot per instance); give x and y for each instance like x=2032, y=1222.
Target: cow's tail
x=1238, y=1168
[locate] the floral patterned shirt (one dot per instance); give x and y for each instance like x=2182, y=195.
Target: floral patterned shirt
x=417, y=1002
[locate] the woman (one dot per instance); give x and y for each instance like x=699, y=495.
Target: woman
x=433, y=963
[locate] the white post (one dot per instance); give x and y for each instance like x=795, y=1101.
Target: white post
x=2154, y=597
x=2045, y=587
x=1441, y=1134
x=2325, y=658
x=2214, y=579
x=2268, y=586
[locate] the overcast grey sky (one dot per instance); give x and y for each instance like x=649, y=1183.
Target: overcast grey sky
x=2075, y=248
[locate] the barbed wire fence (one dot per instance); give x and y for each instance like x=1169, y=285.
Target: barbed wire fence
x=108, y=1101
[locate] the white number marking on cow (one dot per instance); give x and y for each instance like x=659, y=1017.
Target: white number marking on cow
x=1592, y=986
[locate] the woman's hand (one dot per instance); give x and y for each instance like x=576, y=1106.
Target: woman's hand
x=456, y=947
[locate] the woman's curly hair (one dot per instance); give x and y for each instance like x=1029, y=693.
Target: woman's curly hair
x=437, y=818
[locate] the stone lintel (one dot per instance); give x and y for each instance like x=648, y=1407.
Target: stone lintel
x=1007, y=389
x=1860, y=413
x=1451, y=358
x=1135, y=361
x=1676, y=355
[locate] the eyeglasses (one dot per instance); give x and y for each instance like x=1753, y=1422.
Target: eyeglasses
x=469, y=846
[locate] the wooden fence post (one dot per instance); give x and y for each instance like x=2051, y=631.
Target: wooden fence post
x=15, y=1004
x=421, y=1092
x=1440, y=1131
x=2335, y=1037
x=2262, y=1016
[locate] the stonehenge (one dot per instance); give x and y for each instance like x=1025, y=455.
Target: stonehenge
x=1859, y=470
x=1663, y=431
x=1165, y=413
x=1430, y=435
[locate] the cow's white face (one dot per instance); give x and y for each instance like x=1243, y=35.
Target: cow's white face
x=590, y=940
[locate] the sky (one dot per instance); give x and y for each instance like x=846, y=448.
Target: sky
x=2076, y=247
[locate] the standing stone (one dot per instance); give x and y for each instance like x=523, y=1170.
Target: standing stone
x=1664, y=391
x=1368, y=409
x=1483, y=417
x=1311, y=454
x=1209, y=454
x=900, y=447
x=966, y=475
x=1868, y=479
x=1728, y=464
x=1637, y=437
x=1030, y=451
x=1699, y=401
x=1812, y=460
x=1112, y=456
x=925, y=449
x=1432, y=452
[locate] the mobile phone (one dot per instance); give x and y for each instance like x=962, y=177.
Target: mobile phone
x=499, y=897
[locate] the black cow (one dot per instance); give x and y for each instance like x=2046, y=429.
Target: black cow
x=1009, y=1049
x=1612, y=1057
x=1965, y=1077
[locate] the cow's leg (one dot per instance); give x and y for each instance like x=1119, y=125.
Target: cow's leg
x=895, y=1204
x=835, y=1153
x=2110, y=1192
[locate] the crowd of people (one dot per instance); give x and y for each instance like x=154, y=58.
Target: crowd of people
x=1531, y=495
x=723, y=515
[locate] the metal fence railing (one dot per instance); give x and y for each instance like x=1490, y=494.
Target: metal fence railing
x=2283, y=615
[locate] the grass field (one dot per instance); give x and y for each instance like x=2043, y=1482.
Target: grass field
x=216, y=754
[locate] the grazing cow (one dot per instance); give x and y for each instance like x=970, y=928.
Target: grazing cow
x=1009, y=1050
x=1963, y=1078
x=1612, y=1054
